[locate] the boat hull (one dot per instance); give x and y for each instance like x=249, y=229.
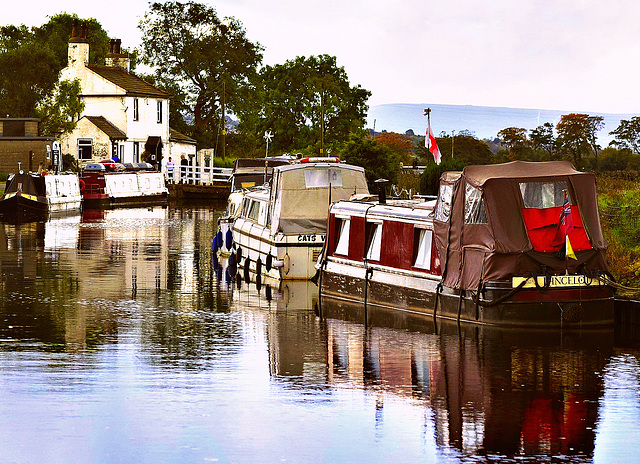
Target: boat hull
x=279, y=256
x=408, y=292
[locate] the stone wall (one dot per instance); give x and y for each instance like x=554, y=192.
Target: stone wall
x=13, y=151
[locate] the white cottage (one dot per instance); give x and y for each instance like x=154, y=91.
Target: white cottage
x=124, y=115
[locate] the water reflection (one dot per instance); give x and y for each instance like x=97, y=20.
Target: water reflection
x=490, y=391
x=118, y=331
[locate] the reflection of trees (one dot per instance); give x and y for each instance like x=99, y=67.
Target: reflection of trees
x=37, y=289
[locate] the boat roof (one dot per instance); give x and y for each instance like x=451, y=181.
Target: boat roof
x=478, y=175
x=318, y=164
x=413, y=209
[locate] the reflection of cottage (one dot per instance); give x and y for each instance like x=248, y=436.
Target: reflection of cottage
x=123, y=115
x=20, y=143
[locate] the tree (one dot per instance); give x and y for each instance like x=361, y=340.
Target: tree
x=513, y=137
x=401, y=145
x=378, y=160
x=577, y=136
x=542, y=138
x=627, y=135
x=31, y=59
x=59, y=112
x=209, y=58
x=430, y=178
x=307, y=103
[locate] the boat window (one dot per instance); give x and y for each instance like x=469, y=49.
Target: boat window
x=542, y=194
x=342, y=248
x=262, y=218
x=443, y=207
x=254, y=210
x=474, y=212
x=424, y=241
x=322, y=177
x=374, y=232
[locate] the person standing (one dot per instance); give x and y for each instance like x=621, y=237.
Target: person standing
x=170, y=167
x=183, y=169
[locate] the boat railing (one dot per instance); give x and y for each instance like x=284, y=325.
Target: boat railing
x=199, y=175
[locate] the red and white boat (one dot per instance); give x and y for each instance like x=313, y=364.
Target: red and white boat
x=113, y=184
x=491, y=250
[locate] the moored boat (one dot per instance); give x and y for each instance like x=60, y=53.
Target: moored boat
x=516, y=245
x=113, y=184
x=32, y=196
x=280, y=227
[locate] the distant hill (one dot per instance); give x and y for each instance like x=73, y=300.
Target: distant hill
x=483, y=121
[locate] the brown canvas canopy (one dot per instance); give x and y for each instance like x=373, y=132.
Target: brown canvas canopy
x=494, y=222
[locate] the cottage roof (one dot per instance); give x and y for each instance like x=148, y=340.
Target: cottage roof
x=105, y=126
x=176, y=136
x=132, y=84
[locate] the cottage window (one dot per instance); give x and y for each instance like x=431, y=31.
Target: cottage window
x=375, y=241
x=443, y=207
x=342, y=248
x=423, y=255
x=136, y=112
x=542, y=194
x=136, y=152
x=159, y=111
x=85, y=149
x=474, y=212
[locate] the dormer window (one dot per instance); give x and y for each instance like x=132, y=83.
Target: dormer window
x=136, y=112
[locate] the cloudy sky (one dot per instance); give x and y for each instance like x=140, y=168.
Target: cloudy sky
x=574, y=55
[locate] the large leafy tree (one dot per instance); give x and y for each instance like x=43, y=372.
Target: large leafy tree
x=31, y=60
x=577, y=136
x=308, y=104
x=402, y=145
x=379, y=161
x=209, y=58
x=627, y=135
x=59, y=112
x=542, y=138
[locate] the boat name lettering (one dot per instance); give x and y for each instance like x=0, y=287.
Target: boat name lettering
x=558, y=281
x=310, y=238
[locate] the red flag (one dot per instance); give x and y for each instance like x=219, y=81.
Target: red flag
x=431, y=144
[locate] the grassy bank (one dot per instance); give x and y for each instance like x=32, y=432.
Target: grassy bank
x=619, y=203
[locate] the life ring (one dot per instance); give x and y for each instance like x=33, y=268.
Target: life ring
x=81, y=185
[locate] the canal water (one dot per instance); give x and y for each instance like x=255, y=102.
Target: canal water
x=120, y=342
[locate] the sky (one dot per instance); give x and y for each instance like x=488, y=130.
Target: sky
x=570, y=55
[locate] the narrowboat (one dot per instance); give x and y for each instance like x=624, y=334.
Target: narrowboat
x=33, y=196
x=518, y=244
x=247, y=173
x=108, y=183
x=280, y=227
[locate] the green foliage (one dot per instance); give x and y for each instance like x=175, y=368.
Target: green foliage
x=378, y=160
x=60, y=111
x=70, y=163
x=305, y=103
x=430, y=179
x=466, y=149
x=627, y=135
x=611, y=159
x=32, y=58
x=210, y=59
x=542, y=138
x=577, y=136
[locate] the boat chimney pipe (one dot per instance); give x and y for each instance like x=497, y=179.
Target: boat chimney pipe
x=382, y=190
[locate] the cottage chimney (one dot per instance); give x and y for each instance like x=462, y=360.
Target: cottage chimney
x=115, y=58
x=78, y=51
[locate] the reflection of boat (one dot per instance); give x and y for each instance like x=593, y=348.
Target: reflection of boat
x=31, y=196
x=504, y=392
x=291, y=295
x=112, y=184
x=280, y=228
x=491, y=251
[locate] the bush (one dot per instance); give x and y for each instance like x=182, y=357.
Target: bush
x=430, y=178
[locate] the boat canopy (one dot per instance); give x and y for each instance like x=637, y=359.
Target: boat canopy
x=494, y=222
x=26, y=183
x=301, y=194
